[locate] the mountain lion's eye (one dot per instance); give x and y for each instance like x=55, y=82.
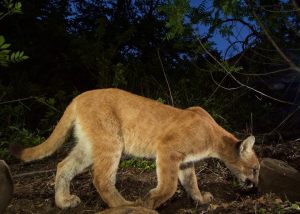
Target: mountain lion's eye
x=254, y=171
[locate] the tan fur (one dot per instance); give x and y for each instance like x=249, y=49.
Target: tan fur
x=6, y=186
x=109, y=122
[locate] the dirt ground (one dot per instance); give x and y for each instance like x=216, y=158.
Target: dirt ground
x=34, y=187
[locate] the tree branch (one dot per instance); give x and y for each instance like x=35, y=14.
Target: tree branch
x=30, y=98
x=4, y=15
x=296, y=6
x=165, y=75
x=266, y=32
x=254, y=31
x=284, y=120
x=240, y=83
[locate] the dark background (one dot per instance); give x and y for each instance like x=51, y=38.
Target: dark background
x=245, y=82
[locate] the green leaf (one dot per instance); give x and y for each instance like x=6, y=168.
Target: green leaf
x=262, y=211
x=18, y=6
x=17, y=55
x=5, y=46
x=2, y=40
x=175, y=11
x=295, y=206
x=12, y=57
x=51, y=101
x=4, y=52
x=10, y=6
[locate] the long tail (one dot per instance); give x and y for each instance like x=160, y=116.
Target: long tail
x=54, y=141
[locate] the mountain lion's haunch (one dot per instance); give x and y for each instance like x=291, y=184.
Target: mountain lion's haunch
x=109, y=122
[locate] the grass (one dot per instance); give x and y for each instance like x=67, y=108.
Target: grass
x=138, y=163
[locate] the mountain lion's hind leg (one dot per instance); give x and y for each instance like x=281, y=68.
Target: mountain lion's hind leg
x=188, y=180
x=105, y=166
x=78, y=160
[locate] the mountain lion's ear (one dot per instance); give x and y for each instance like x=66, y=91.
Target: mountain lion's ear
x=246, y=146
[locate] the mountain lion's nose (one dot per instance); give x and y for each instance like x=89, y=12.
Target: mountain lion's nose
x=251, y=181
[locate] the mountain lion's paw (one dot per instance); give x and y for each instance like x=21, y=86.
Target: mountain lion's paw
x=138, y=202
x=146, y=203
x=207, y=197
x=68, y=202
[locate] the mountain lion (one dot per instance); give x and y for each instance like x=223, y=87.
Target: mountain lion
x=109, y=122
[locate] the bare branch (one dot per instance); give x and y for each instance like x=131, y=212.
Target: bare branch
x=240, y=83
x=296, y=6
x=279, y=11
x=4, y=15
x=236, y=20
x=264, y=74
x=220, y=86
x=232, y=45
x=17, y=100
x=165, y=75
x=30, y=98
x=266, y=32
x=284, y=120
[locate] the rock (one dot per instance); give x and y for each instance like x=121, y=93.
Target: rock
x=6, y=186
x=278, y=177
x=128, y=210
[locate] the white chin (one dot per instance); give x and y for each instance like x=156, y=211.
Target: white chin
x=249, y=186
x=244, y=185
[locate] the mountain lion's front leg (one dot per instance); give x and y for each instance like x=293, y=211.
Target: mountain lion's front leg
x=188, y=180
x=167, y=167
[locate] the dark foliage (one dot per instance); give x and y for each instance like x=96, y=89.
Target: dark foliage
x=77, y=45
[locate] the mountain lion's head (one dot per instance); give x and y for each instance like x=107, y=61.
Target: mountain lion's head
x=244, y=164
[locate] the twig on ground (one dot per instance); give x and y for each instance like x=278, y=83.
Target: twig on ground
x=33, y=173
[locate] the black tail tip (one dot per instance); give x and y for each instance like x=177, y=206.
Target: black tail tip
x=16, y=150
